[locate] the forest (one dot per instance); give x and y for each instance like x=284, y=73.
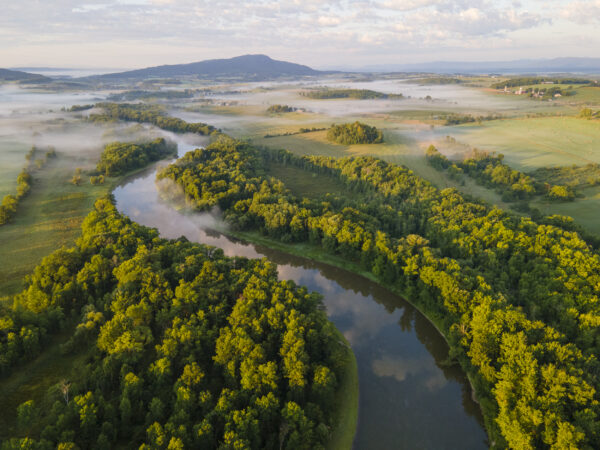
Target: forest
x=154, y=114
x=517, y=299
x=181, y=347
x=354, y=133
x=118, y=158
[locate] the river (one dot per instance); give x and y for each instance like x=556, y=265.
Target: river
x=408, y=399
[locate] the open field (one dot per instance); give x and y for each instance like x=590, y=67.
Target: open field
x=46, y=219
x=32, y=380
x=302, y=183
x=585, y=211
x=12, y=161
x=536, y=142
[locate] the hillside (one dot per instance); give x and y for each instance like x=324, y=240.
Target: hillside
x=248, y=66
x=24, y=77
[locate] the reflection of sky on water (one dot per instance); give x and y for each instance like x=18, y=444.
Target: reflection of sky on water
x=403, y=392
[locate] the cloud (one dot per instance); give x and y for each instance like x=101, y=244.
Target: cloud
x=168, y=31
x=582, y=12
x=401, y=368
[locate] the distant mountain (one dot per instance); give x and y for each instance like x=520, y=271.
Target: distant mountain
x=556, y=65
x=23, y=77
x=247, y=66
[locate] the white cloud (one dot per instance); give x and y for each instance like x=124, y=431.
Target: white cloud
x=582, y=12
x=311, y=31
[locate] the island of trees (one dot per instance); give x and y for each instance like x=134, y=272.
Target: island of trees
x=516, y=298
x=280, y=109
x=354, y=133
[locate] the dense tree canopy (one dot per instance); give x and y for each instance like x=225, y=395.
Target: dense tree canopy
x=517, y=299
x=121, y=157
x=354, y=133
x=185, y=348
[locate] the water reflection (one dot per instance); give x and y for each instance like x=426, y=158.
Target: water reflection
x=408, y=399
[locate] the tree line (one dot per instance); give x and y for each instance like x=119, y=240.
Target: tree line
x=524, y=81
x=154, y=114
x=182, y=347
x=359, y=94
x=516, y=298
x=10, y=202
x=489, y=169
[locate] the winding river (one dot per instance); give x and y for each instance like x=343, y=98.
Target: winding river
x=408, y=398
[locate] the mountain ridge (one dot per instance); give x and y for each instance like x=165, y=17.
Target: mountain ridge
x=519, y=66
x=257, y=66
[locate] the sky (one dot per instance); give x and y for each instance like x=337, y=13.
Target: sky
x=341, y=34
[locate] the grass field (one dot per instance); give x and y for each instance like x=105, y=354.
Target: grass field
x=32, y=380
x=342, y=435
x=305, y=184
x=46, y=219
x=585, y=211
x=536, y=142
x=12, y=161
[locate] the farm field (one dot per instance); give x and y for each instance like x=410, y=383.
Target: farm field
x=530, y=143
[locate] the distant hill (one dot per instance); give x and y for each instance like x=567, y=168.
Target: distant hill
x=556, y=65
x=247, y=66
x=23, y=77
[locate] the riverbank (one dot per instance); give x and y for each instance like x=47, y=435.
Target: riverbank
x=312, y=252
x=346, y=404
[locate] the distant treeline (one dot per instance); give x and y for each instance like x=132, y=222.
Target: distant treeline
x=278, y=109
x=121, y=157
x=354, y=133
x=458, y=119
x=153, y=114
x=77, y=108
x=8, y=208
x=488, y=169
x=516, y=298
x=146, y=95
x=525, y=81
x=291, y=133
x=436, y=80
x=361, y=94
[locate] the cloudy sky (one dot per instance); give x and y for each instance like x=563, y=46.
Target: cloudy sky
x=332, y=34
